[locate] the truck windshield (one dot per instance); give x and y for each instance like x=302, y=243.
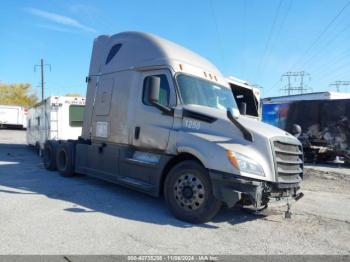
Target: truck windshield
x=196, y=91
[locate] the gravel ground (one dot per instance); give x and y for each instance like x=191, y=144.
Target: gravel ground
x=43, y=213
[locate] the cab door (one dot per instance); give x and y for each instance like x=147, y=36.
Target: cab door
x=151, y=126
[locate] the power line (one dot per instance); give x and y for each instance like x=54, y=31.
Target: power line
x=244, y=36
x=284, y=20
x=335, y=71
x=42, y=66
x=332, y=39
x=217, y=32
x=333, y=61
x=269, y=36
x=339, y=84
x=322, y=33
x=309, y=48
x=279, y=30
x=298, y=86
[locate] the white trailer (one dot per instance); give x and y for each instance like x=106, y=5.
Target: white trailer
x=55, y=118
x=13, y=116
x=327, y=95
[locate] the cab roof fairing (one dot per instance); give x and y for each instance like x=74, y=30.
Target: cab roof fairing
x=147, y=50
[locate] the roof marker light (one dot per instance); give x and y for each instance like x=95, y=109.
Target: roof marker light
x=205, y=74
x=210, y=76
x=180, y=66
x=216, y=79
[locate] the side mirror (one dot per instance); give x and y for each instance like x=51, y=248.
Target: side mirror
x=243, y=108
x=296, y=130
x=233, y=112
x=153, y=87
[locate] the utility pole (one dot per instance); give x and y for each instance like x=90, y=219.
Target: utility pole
x=42, y=65
x=339, y=83
x=298, y=84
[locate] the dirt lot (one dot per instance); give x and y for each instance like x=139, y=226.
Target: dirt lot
x=43, y=213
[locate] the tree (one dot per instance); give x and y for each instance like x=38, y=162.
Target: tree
x=73, y=94
x=17, y=94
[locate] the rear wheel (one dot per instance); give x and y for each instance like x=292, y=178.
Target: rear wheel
x=188, y=193
x=49, y=155
x=65, y=159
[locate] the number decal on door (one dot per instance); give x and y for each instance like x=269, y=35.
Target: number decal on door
x=192, y=124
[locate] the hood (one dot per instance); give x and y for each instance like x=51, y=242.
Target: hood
x=253, y=125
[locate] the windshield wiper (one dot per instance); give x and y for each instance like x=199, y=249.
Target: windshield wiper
x=246, y=133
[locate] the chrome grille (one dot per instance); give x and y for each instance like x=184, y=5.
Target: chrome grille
x=288, y=160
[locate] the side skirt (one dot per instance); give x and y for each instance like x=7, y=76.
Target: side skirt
x=125, y=165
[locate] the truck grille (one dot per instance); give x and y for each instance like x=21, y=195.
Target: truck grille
x=288, y=160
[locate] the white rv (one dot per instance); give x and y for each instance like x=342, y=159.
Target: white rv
x=247, y=97
x=55, y=118
x=13, y=116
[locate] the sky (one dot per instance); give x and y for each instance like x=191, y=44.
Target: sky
x=254, y=40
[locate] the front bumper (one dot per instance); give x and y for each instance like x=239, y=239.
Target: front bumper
x=232, y=189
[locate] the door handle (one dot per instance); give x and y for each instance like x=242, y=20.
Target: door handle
x=137, y=132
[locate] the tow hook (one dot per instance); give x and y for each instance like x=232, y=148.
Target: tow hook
x=299, y=196
x=288, y=214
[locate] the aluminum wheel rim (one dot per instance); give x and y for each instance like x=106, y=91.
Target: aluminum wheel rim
x=189, y=192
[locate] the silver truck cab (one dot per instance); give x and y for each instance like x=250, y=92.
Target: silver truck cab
x=162, y=119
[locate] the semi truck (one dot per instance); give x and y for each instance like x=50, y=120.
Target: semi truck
x=161, y=119
x=12, y=116
x=55, y=118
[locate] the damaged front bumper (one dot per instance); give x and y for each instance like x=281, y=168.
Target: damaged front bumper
x=232, y=189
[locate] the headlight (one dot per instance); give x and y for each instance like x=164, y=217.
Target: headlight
x=245, y=164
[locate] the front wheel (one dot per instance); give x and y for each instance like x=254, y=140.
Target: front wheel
x=188, y=193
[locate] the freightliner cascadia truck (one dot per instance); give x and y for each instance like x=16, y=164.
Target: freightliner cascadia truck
x=161, y=119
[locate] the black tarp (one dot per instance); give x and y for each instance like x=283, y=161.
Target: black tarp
x=323, y=122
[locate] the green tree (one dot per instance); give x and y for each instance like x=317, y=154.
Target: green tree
x=17, y=94
x=72, y=94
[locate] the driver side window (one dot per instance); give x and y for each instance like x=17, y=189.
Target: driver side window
x=164, y=94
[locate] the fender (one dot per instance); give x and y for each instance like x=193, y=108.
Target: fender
x=192, y=151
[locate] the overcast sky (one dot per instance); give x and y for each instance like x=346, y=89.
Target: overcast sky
x=255, y=40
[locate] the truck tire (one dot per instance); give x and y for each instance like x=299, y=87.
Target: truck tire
x=65, y=159
x=37, y=148
x=49, y=155
x=188, y=193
